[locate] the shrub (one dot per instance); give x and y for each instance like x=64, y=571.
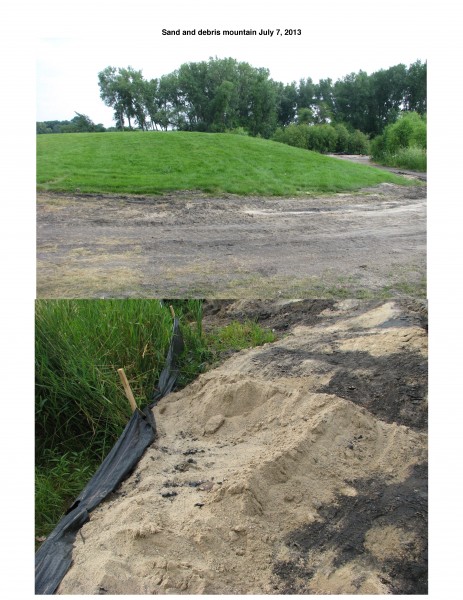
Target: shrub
x=293, y=135
x=342, y=137
x=323, y=138
x=378, y=147
x=358, y=143
x=403, y=143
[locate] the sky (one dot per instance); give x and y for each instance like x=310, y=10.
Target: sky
x=333, y=43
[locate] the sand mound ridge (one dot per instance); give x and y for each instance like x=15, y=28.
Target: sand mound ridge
x=262, y=481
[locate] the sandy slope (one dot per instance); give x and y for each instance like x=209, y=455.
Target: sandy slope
x=298, y=467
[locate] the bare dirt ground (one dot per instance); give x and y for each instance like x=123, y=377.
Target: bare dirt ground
x=183, y=245
x=299, y=467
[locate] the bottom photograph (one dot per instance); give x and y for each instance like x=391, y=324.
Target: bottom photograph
x=231, y=447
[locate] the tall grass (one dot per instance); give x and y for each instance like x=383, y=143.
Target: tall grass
x=80, y=344
x=81, y=408
x=413, y=158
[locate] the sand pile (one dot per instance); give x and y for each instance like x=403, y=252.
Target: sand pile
x=297, y=467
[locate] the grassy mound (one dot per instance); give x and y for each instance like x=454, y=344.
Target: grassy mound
x=155, y=162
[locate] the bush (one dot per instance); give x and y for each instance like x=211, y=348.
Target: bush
x=358, y=143
x=378, y=147
x=403, y=143
x=343, y=137
x=323, y=138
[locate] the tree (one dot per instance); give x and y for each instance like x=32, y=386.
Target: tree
x=305, y=94
x=222, y=94
x=122, y=89
x=387, y=89
x=79, y=123
x=352, y=100
x=83, y=123
x=416, y=88
x=286, y=97
x=305, y=115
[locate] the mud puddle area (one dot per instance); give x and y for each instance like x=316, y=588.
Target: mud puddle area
x=366, y=244
x=271, y=474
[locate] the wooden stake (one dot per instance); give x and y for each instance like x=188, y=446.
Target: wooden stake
x=127, y=389
x=172, y=311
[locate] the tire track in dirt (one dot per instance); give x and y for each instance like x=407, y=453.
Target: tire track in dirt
x=185, y=245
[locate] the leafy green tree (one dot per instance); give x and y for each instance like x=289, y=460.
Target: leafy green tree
x=416, y=88
x=111, y=94
x=83, y=123
x=286, y=98
x=79, y=123
x=122, y=89
x=305, y=115
x=262, y=115
x=324, y=101
x=387, y=94
x=305, y=94
x=352, y=98
x=42, y=127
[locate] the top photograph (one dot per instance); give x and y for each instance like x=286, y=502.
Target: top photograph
x=230, y=163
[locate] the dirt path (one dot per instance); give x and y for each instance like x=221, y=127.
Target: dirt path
x=366, y=160
x=367, y=244
x=297, y=467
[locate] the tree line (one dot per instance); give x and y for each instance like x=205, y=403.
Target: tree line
x=79, y=124
x=223, y=94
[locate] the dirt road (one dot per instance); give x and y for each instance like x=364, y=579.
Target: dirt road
x=299, y=467
x=366, y=244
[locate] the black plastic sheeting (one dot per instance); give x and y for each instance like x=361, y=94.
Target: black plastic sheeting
x=54, y=557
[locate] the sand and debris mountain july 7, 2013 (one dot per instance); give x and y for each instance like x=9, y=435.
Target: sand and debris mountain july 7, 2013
x=296, y=467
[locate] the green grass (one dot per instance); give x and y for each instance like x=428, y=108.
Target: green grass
x=157, y=162
x=237, y=336
x=80, y=407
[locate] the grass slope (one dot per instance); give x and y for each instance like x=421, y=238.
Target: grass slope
x=155, y=162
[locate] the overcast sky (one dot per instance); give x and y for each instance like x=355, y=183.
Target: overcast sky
x=337, y=38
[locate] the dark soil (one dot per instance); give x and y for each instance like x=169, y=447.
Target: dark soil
x=279, y=317
x=392, y=387
x=342, y=528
